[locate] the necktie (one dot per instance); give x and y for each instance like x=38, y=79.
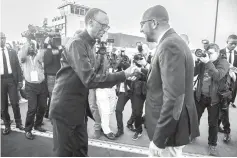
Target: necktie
x=230, y=58
x=4, y=62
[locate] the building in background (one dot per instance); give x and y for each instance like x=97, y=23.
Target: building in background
x=72, y=19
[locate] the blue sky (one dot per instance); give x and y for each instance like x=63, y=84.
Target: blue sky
x=193, y=17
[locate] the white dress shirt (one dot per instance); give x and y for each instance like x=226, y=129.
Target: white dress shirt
x=228, y=55
x=7, y=59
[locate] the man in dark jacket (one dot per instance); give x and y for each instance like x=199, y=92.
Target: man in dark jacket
x=211, y=70
x=231, y=56
x=11, y=81
x=170, y=113
x=51, y=65
x=79, y=73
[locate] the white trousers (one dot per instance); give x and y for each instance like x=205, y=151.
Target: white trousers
x=170, y=152
x=106, y=100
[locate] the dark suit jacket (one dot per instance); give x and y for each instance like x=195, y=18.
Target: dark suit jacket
x=15, y=65
x=78, y=74
x=223, y=51
x=171, y=116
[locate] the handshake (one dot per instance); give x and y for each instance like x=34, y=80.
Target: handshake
x=132, y=73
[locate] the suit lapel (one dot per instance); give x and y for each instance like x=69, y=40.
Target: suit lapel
x=169, y=32
x=235, y=58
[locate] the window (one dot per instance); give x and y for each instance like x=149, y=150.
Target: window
x=77, y=10
x=86, y=10
x=72, y=9
x=82, y=11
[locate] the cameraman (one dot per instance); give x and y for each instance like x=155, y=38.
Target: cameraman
x=123, y=91
x=51, y=66
x=211, y=69
x=33, y=70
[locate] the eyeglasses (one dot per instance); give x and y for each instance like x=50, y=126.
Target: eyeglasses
x=232, y=44
x=104, y=26
x=143, y=22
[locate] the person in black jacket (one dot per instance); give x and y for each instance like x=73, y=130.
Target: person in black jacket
x=51, y=65
x=11, y=81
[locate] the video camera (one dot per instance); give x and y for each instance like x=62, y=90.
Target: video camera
x=41, y=33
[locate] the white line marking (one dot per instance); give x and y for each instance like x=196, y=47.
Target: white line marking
x=105, y=144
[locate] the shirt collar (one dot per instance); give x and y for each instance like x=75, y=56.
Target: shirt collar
x=5, y=48
x=162, y=34
x=227, y=50
x=85, y=35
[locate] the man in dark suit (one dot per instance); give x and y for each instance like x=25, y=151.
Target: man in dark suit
x=79, y=73
x=231, y=56
x=170, y=112
x=11, y=80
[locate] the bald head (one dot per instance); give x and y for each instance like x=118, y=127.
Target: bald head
x=157, y=12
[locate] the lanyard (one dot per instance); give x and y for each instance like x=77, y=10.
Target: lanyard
x=32, y=62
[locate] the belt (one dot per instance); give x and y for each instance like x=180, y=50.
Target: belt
x=7, y=76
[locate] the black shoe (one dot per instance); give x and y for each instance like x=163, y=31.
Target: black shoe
x=119, y=133
x=46, y=116
x=6, y=131
x=40, y=129
x=226, y=138
x=137, y=135
x=29, y=135
x=212, y=150
x=131, y=128
x=233, y=105
x=221, y=130
x=20, y=127
x=110, y=136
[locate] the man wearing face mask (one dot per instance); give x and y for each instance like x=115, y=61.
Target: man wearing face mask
x=211, y=69
x=80, y=72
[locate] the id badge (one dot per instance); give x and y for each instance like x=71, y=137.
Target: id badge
x=34, y=76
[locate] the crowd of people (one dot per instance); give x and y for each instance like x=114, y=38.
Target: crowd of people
x=169, y=90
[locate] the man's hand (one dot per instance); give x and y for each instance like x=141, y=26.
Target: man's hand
x=142, y=62
x=20, y=85
x=131, y=71
x=154, y=151
x=205, y=59
x=232, y=75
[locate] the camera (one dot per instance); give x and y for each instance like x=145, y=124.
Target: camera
x=200, y=53
x=102, y=49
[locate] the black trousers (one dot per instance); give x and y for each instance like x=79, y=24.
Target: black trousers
x=37, y=102
x=224, y=116
x=234, y=92
x=9, y=87
x=69, y=140
x=213, y=116
x=137, y=109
